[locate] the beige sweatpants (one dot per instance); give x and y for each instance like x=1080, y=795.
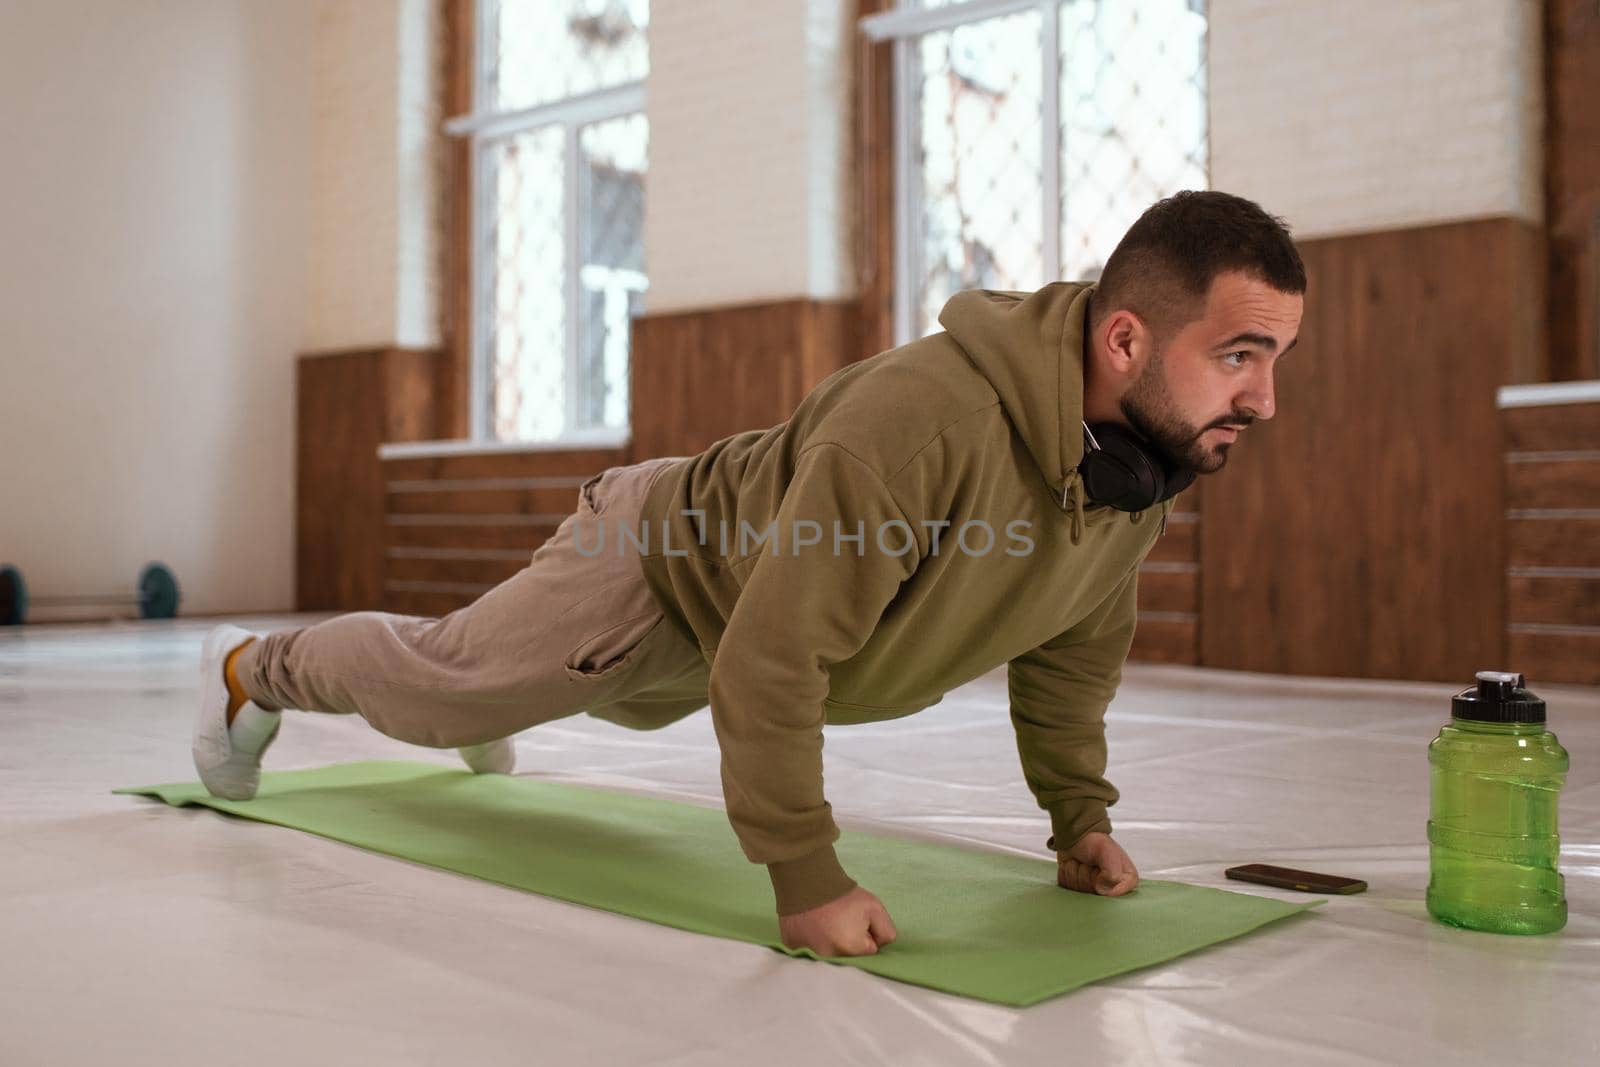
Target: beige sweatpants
x=574, y=631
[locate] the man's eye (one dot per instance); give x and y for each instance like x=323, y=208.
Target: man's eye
x=1236, y=359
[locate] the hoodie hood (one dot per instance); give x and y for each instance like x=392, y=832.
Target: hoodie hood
x=1030, y=348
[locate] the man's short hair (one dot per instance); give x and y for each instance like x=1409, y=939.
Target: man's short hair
x=1164, y=265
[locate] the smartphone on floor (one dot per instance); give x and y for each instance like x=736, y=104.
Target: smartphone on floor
x=1289, y=878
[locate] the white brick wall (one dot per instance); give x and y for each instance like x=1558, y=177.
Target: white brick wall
x=354, y=228
x=419, y=157
x=1361, y=115
x=1347, y=117
x=373, y=258
x=155, y=204
x=748, y=132
x=830, y=70
x=1375, y=114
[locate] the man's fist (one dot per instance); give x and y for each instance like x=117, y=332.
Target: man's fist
x=856, y=924
x=1096, y=864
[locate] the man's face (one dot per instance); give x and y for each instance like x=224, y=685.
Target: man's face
x=1211, y=379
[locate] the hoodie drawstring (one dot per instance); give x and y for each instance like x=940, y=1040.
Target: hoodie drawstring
x=1073, y=500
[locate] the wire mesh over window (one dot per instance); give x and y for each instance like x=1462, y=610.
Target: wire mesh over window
x=1133, y=118
x=979, y=137
x=612, y=279
x=539, y=51
x=560, y=256
x=998, y=198
x=527, y=330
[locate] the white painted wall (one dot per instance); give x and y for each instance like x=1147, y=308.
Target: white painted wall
x=153, y=211
x=749, y=143
x=354, y=234
x=376, y=211
x=420, y=157
x=1372, y=114
x=1348, y=117
x=194, y=192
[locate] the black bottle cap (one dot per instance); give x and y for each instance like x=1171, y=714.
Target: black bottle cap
x=1498, y=697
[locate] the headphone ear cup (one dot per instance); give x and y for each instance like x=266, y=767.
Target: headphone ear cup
x=1125, y=473
x=1124, y=478
x=1178, y=479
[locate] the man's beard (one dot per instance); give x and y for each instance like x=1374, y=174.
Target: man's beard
x=1150, y=410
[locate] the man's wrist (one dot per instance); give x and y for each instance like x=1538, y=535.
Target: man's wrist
x=1070, y=821
x=808, y=881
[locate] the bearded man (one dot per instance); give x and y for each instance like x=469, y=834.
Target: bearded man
x=981, y=496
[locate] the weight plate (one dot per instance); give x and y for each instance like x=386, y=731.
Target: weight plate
x=13, y=597
x=158, y=593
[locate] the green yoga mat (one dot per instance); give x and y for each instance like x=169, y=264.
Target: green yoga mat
x=978, y=924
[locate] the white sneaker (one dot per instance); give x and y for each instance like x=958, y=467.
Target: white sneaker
x=492, y=757
x=228, y=757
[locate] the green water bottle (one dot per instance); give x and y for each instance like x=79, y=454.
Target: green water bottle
x=1492, y=838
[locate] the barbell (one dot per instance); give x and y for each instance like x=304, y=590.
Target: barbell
x=155, y=595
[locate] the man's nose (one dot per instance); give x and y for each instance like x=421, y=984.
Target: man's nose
x=1259, y=400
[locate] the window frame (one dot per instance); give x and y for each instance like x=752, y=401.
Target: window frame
x=474, y=129
x=898, y=26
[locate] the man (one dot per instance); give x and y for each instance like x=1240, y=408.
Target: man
x=981, y=496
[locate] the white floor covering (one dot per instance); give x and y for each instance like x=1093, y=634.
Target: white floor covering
x=132, y=933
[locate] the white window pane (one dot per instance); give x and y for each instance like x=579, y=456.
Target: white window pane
x=978, y=114
x=560, y=257
x=1133, y=118
x=612, y=279
x=543, y=50
x=527, y=265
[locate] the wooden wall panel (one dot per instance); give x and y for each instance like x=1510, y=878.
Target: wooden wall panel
x=428, y=605
x=446, y=565
x=1572, y=185
x=1552, y=428
x=1169, y=589
x=575, y=464
x=1543, y=542
x=1359, y=533
x=547, y=496
x=1160, y=639
x=347, y=403
x=700, y=376
x=874, y=144
x=1554, y=479
x=1555, y=600
x=418, y=535
x=454, y=371
x=409, y=378
x=1180, y=543
x=523, y=537
x=338, y=540
x=455, y=526
x=1553, y=541
x=1556, y=657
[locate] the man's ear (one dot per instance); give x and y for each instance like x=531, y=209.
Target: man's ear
x=1127, y=343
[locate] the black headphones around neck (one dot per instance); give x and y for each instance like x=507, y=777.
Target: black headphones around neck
x=1123, y=470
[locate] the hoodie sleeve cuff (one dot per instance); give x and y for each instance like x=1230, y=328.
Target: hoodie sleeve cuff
x=809, y=882
x=1070, y=820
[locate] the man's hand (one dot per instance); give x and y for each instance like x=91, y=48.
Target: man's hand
x=856, y=924
x=1096, y=864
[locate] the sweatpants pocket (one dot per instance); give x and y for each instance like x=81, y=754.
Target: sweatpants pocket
x=586, y=495
x=610, y=652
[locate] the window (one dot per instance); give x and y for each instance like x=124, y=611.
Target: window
x=1031, y=133
x=559, y=147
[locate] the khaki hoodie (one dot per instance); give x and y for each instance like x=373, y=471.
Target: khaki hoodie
x=873, y=595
